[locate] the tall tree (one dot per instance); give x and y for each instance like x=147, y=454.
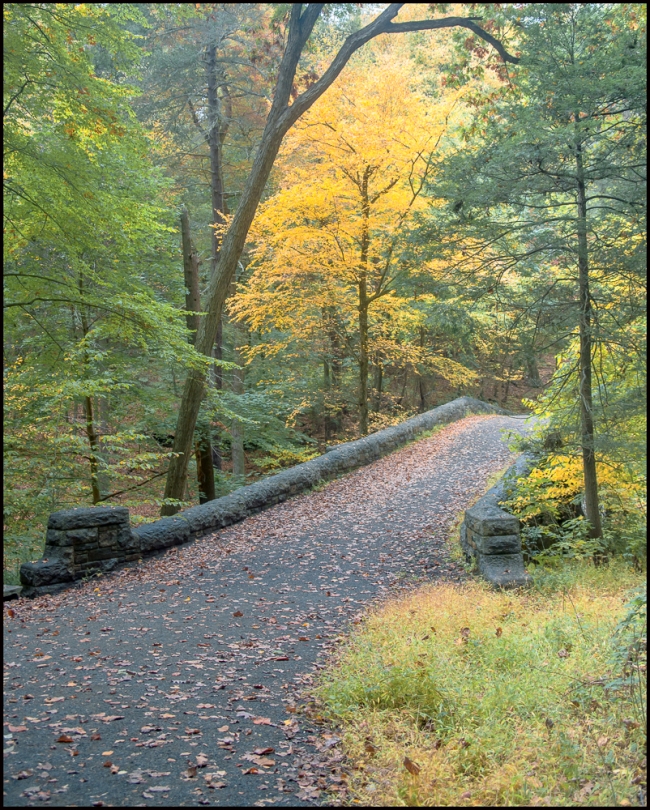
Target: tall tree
x=334, y=239
x=286, y=109
x=559, y=177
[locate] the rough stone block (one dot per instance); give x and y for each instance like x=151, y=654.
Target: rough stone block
x=503, y=570
x=498, y=544
x=44, y=572
x=83, y=537
x=88, y=516
x=57, y=537
x=171, y=531
x=490, y=520
x=11, y=591
x=101, y=554
x=107, y=539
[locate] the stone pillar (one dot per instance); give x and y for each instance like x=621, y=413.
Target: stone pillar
x=491, y=536
x=78, y=543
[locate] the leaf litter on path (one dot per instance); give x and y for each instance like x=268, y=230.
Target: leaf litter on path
x=223, y=642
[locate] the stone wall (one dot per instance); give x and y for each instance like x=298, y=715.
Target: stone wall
x=490, y=535
x=82, y=541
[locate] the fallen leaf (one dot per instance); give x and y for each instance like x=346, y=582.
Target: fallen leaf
x=12, y=613
x=251, y=770
x=53, y=700
x=160, y=789
x=23, y=775
x=262, y=751
x=262, y=721
x=466, y=795
x=109, y=718
x=108, y=764
x=65, y=738
x=106, y=753
x=17, y=729
x=95, y=737
x=499, y=632
x=562, y=653
x=201, y=760
x=237, y=614
x=411, y=767
x=602, y=742
x=190, y=773
x=222, y=729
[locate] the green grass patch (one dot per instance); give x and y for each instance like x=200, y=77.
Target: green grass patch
x=519, y=698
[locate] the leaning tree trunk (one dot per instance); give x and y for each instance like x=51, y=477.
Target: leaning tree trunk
x=586, y=406
x=236, y=428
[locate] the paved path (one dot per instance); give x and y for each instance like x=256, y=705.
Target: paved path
x=178, y=681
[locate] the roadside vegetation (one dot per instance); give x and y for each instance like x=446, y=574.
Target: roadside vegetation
x=462, y=695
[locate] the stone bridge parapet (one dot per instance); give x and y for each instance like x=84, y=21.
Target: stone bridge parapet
x=88, y=540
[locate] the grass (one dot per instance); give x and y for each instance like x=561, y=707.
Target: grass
x=498, y=698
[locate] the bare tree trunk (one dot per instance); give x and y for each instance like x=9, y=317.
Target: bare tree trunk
x=586, y=406
x=94, y=450
x=203, y=450
x=377, y=384
x=236, y=428
x=282, y=115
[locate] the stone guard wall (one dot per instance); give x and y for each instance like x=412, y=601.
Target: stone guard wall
x=83, y=541
x=490, y=535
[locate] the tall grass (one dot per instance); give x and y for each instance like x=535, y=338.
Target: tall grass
x=498, y=698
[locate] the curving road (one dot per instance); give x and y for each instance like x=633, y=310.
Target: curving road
x=182, y=680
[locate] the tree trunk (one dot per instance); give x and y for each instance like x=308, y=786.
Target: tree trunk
x=191, y=275
x=364, y=304
x=203, y=450
x=94, y=450
x=377, y=385
x=217, y=382
x=281, y=117
x=236, y=428
x=586, y=409
x=421, y=387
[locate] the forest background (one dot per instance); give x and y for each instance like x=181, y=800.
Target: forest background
x=441, y=221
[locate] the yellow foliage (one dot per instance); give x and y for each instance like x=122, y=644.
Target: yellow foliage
x=350, y=178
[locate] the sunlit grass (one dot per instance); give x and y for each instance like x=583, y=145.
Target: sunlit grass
x=499, y=698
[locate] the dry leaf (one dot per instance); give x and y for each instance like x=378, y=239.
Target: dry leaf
x=95, y=737
x=201, y=760
x=411, y=767
x=18, y=729
x=237, y=614
x=53, y=699
x=108, y=764
x=251, y=770
x=499, y=632
x=65, y=738
x=602, y=742
x=106, y=753
x=262, y=721
x=262, y=751
x=562, y=653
